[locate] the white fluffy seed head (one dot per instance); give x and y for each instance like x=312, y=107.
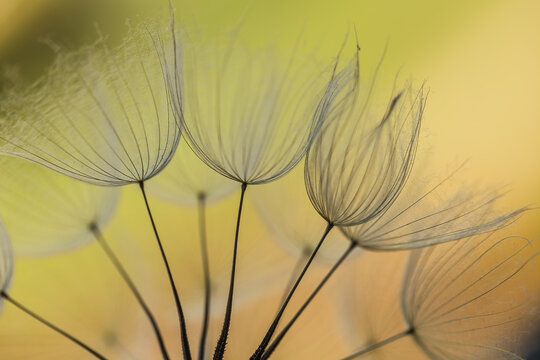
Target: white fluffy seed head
x=467, y=300
x=428, y=214
x=250, y=115
x=46, y=212
x=361, y=160
x=102, y=113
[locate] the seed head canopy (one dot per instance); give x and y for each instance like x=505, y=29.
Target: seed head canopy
x=251, y=115
x=463, y=299
x=101, y=114
x=46, y=212
x=361, y=160
x=428, y=215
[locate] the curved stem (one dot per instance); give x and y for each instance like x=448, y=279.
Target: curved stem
x=129, y=282
x=206, y=272
x=283, y=332
x=50, y=325
x=222, y=341
x=379, y=344
x=257, y=355
x=183, y=328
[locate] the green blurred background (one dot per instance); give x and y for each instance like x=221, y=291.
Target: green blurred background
x=480, y=60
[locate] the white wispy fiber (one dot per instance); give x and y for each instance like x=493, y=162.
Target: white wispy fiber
x=425, y=215
x=46, y=212
x=187, y=178
x=463, y=300
x=101, y=114
x=251, y=115
x=360, y=162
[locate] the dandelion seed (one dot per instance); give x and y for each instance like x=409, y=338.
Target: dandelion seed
x=102, y=115
x=425, y=215
x=461, y=300
x=47, y=212
x=250, y=117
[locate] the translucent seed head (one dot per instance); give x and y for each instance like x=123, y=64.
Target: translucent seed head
x=431, y=212
x=361, y=160
x=47, y=212
x=250, y=115
x=467, y=299
x=101, y=114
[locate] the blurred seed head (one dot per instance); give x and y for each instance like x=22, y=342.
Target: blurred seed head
x=361, y=160
x=101, y=114
x=464, y=299
x=47, y=212
x=251, y=115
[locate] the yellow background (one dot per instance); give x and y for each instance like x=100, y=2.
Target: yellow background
x=480, y=60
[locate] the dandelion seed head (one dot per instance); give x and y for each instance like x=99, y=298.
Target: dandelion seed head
x=47, y=212
x=361, y=160
x=101, y=114
x=436, y=212
x=464, y=300
x=250, y=116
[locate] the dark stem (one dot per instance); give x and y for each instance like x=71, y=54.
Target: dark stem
x=123, y=273
x=379, y=344
x=206, y=272
x=183, y=328
x=296, y=270
x=51, y=326
x=257, y=355
x=283, y=332
x=222, y=342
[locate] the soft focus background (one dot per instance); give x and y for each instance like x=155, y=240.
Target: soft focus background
x=480, y=60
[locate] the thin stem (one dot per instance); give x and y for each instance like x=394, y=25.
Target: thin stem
x=183, y=328
x=379, y=344
x=257, y=355
x=206, y=272
x=296, y=270
x=283, y=332
x=51, y=326
x=222, y=342
x=129, y=282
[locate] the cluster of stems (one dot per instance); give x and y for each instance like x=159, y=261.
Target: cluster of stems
x=268, y=344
